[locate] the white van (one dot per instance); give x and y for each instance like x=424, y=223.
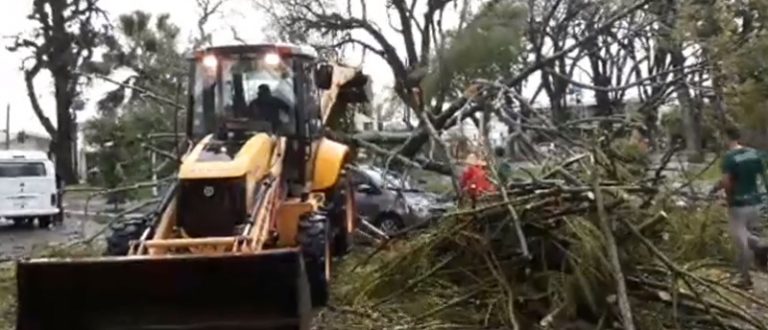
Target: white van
x=28, y=188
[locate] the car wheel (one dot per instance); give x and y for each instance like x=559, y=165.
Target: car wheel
x=390, y=223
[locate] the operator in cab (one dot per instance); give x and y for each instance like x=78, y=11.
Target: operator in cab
x=268, y=108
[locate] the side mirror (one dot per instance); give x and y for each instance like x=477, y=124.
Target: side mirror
x=324, y=76
x=366, y=189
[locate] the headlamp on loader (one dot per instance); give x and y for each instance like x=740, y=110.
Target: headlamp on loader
x=210, y=61
x=272, y=59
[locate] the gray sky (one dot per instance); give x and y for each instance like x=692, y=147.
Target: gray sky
x=13, y=21
x=239, y=14
x=183, y=13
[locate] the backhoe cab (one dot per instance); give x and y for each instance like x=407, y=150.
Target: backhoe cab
x=245, y=237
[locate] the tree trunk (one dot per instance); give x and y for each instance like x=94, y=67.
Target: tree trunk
x=717, y=86
x=603, y=102
x=443, y=121
x=688, y=112
x=63, y=147
x=65, y=88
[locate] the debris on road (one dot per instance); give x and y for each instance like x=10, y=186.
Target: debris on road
x=607, y=250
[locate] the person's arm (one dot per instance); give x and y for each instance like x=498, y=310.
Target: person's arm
x=726, y=182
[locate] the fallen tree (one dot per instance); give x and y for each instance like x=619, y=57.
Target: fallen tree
x=594, y=253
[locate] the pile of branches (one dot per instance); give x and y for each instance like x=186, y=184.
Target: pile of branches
x=583, y=245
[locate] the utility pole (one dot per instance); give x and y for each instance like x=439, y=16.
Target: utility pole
x=8, y=127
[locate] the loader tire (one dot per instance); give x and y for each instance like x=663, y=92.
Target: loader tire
x=342, y=213
x=313, y=237
x=122, y=233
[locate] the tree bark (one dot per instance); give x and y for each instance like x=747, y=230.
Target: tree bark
x=63, y=147
x=63, y=79
x=688, y=111
x=441, y=122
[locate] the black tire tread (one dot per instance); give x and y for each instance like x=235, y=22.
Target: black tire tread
x=121, y=235
x=312, y=236
x=341, y=239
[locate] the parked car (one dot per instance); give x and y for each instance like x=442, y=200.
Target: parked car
x=391, y=202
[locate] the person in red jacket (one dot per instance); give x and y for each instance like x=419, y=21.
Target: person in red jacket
x=474, y=181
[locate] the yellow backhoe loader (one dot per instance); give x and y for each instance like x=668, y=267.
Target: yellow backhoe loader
x=245, y=238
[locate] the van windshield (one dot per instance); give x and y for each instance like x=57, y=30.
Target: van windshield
x=18, y=169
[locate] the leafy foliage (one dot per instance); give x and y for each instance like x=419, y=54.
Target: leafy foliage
x=672, y=122
x=128, y=115
x=487, y=47
x=735, y=39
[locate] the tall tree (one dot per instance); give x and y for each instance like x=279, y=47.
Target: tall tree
x=63, y=42
x=411, y=54
x=128, y=115
x=732, y=38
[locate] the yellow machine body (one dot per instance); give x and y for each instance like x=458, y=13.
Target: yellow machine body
x=245, y=237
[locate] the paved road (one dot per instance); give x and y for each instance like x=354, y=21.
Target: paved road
x=18, y=241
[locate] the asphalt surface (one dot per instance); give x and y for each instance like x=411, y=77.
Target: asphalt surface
x=20, y=241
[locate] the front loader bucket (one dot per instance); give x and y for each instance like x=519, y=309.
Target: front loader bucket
x=267, y=290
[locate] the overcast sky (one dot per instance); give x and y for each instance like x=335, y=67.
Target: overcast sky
x=238, y=13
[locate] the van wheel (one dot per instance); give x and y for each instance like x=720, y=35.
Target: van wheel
x=57, y=219
x=21, y=222
x=44, y=222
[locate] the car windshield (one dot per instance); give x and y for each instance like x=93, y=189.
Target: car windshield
x=17, y=169
x=388, y=180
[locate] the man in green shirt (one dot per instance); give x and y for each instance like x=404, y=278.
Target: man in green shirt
x=741, y=168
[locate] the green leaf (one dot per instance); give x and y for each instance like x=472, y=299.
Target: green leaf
x=487, y=47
